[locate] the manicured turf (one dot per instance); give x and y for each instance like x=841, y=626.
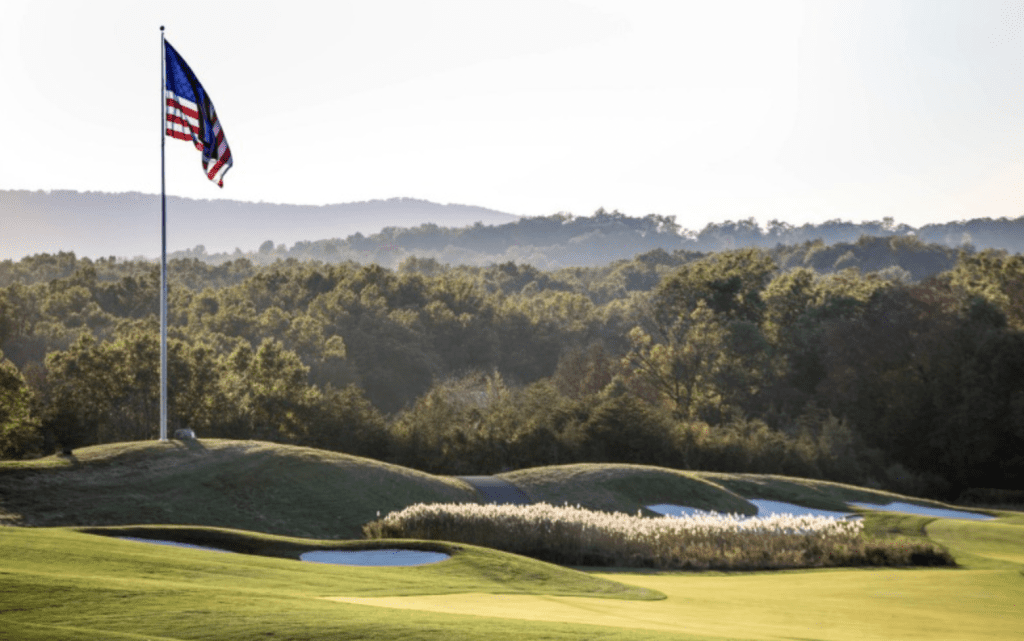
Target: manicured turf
x=58, y=583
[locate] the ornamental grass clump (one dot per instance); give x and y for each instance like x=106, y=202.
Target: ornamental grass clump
x=577, y=536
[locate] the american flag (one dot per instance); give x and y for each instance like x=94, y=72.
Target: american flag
x=190, y=115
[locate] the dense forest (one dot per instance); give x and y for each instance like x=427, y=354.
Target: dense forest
x=885, y=361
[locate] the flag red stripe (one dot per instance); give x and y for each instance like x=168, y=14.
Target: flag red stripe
x=220, y=163
x=195, y=121
x=171, y=102
x=178, y=121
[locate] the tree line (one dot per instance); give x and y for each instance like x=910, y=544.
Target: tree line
x=564, y=240
x=858, y=362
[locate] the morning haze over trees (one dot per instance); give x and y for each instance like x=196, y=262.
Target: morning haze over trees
x=874, y=354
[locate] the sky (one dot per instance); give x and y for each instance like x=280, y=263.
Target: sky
x=799, y=111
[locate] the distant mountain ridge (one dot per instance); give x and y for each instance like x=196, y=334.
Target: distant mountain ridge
x=99, y=224
x=388, y=232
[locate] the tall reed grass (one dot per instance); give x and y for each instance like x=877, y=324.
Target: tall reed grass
x=576, y=536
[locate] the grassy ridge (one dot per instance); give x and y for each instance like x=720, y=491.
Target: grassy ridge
x=247, y=485
x=297, y=491
x=624, y=488
x=629, y=488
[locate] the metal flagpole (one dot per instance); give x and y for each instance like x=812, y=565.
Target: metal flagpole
x=163, y=242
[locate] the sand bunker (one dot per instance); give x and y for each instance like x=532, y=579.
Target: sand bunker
x=918, y=510
x=666, y=509
x=389, y=557
x=765, y=508
x=768, y=508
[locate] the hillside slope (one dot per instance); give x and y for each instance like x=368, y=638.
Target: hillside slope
x=305, y=492
x=615, y=487
x=264, y=487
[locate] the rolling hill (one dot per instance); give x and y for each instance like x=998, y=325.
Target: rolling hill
x=305, y=492
x=61, y=582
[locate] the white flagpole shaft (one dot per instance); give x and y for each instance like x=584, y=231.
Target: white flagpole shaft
x=163, y=244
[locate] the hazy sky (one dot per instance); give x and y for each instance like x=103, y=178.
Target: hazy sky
x=709, y=110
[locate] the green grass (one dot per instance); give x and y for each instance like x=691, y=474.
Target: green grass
x=625, y=488
x=629, y=488
x=979, y=601
x=248, y=485
x=59, y=583
x=297, y=491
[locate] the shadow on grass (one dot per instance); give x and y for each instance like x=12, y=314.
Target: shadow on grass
x=258, y=544
x=190, y=444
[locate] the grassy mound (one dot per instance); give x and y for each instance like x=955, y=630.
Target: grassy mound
x=823, y=495
x=610, y=487
x=629, y=488
x=248, y=485
x=296, y=491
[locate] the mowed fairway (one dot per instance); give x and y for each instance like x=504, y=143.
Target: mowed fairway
x=980, y=600
x=57, y=583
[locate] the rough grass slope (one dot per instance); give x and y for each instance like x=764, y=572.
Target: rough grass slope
x=248, y=485
x=612, y=487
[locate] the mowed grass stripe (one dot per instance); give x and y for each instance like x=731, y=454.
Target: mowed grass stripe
x=837, y=605
x=984, y=545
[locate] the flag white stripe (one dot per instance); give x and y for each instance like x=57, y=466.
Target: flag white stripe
x=184, y=102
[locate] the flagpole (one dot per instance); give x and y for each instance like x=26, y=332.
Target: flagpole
x=163, y=242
